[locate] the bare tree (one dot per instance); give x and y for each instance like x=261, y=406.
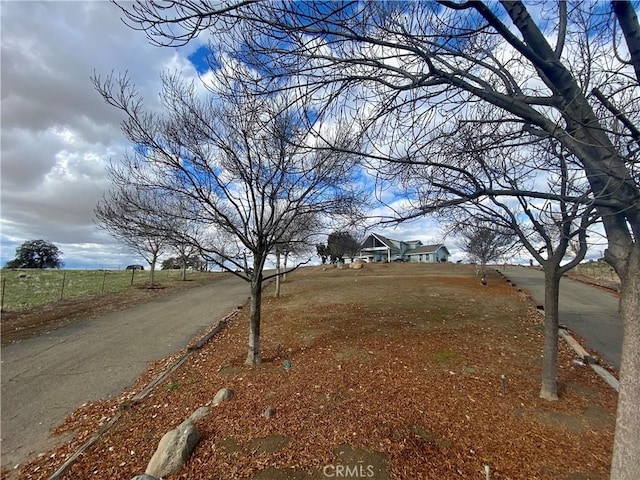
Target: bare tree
x=183, y=234
x=247, y=168
x=563, y=72
x=484, y=242
x=538, y=197
x=298, y=240
x=133, y=217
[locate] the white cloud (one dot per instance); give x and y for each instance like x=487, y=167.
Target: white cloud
x=58, y=135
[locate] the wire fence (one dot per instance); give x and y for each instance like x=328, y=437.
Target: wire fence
x=598, y=271
x=23, y=289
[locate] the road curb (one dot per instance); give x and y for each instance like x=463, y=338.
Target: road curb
x=588, y=359
x=563, y=332
x=219, y=326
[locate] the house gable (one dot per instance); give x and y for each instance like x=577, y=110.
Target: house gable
x=379, y=248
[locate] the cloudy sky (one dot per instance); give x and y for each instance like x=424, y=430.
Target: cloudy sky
x=58, y=135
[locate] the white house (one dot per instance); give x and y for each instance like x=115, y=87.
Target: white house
x=377, y=248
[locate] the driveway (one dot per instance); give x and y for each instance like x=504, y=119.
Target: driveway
x=589, y=311
x=47, y=377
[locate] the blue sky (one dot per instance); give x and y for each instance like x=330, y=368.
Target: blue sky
x=58, y=135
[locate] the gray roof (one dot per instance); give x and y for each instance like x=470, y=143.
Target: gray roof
x=399, y=247
x=427, y=249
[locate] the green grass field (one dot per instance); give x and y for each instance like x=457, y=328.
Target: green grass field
x=23, y=289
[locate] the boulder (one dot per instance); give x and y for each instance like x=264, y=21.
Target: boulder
x=199, y=414
x=223, y=395
x=174, y=449
x=356, y=265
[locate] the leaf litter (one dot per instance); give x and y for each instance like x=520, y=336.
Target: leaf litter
x=416, y=388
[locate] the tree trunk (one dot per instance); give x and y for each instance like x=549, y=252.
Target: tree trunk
x=277, y=293
x=549, y=390
x=284, y=275
x=184, y=271
x=152, y=271
x=625, y=464
x=253, y=355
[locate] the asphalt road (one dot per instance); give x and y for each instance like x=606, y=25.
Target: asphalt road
x=47, y=377
x=589, y=311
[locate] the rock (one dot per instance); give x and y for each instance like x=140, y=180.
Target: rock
x=223, y=395
x=269, y=412
x=174, y=449
x=144, y=477
x=199, y=414
x=356, y=265
x=286, y=365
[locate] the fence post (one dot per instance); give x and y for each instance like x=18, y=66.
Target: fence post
x=4, y=289
x=133, y=272
x=64, y=277
x=104, y=279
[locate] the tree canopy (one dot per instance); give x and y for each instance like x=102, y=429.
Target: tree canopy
x=341, y=244
x=36, y=254
x=251, y=173
x=569, y=71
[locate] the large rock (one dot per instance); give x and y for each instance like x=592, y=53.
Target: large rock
x=199, y=414
x=174, y=449
x=223, y=395
x=356, y=265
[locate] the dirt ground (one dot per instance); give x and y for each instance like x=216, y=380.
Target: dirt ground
x=397, y=371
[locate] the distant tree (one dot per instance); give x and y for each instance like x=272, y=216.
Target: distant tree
x=135, y=217
x=296, y=242
x=341, y=244
x=485, y=242
x=183, y=234
x=323, y=252
x=179, y=263
x=36, y=254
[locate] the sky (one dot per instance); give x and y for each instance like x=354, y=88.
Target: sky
x=58, y=135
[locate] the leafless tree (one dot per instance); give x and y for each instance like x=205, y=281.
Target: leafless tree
x=566, y=70
x=183, y=234
x=483, y=242
x=539, y=197
x=247, y=168
x=133, y=217
x=297, y=241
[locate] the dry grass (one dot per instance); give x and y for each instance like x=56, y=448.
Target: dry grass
x=396, y=370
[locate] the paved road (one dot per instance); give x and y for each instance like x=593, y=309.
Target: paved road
x=589, y=311
x=47, y=377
